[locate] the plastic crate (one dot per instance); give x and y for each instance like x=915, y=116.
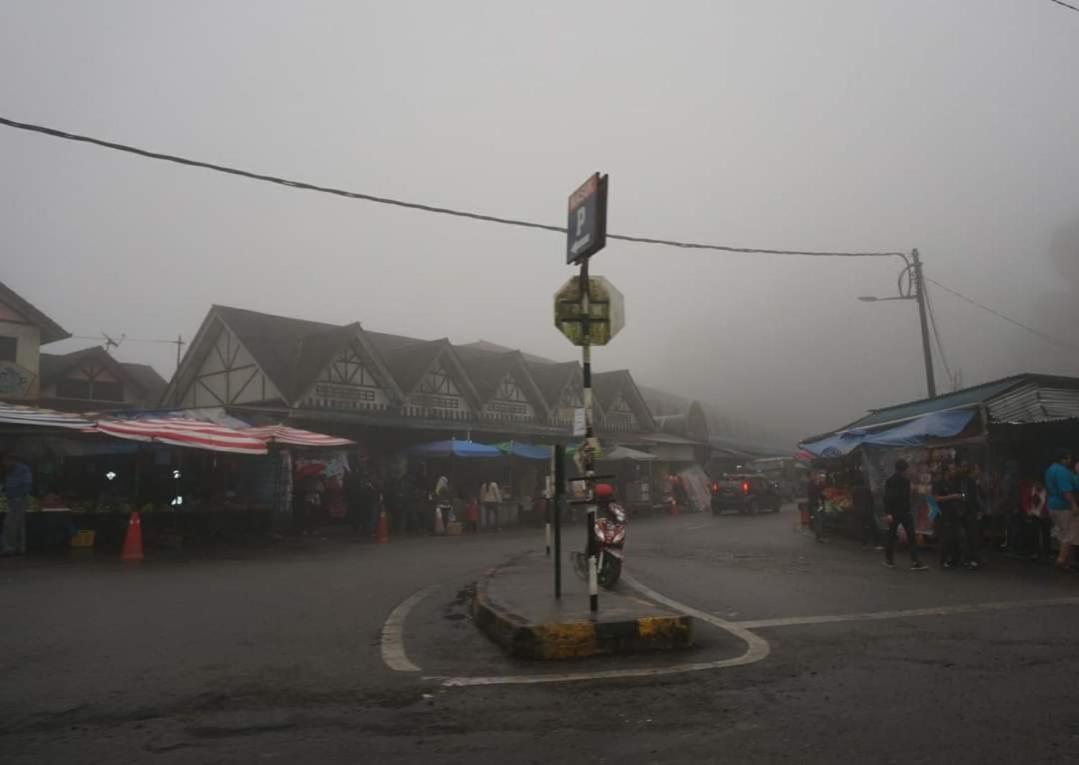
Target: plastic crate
x=83, y=538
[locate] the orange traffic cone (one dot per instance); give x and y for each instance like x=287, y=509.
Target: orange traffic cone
x=382, y=534
x=133, y=540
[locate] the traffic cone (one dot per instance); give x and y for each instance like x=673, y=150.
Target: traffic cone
x=133, y=540
x=382, y=534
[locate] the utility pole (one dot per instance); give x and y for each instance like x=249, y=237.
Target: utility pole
x=919, y=284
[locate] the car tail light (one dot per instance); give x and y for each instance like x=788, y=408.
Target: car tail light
x=745, y=487
x=715, y=487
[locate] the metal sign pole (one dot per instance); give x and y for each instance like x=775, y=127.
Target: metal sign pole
x=559, y=490
x=587, y=461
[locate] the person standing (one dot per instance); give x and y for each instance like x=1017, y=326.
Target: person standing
x=898, y=513
x=17, y=483
x=1060, y=488
x=972, y=516
x=490, y=496
x=948, y=492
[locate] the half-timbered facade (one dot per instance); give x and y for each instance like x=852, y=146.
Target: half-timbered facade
x=302, y=370
x=350, y=383
x=220, y=370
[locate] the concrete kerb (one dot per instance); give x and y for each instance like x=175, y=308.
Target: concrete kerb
x=548, y=640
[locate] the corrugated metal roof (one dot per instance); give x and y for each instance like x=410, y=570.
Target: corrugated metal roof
x=1035, y=403
x=1020, y=398
x=967, y=397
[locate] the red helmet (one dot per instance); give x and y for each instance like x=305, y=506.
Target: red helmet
x=604, y=492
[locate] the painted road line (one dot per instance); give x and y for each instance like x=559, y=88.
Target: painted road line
x=698, y=526
x=972, y=608
x=393, y=639
x=757, y=649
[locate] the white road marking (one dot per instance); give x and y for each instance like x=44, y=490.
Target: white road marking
x=972, y=608
x=756, y=650
x=393, y=642
x=698, y=526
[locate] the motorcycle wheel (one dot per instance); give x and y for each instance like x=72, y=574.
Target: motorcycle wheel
x=609, y=571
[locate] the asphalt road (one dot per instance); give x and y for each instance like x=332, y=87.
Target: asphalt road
x=277, y=655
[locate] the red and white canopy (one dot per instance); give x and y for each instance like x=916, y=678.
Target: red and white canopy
x=13, y=414
x=183, y=432
x=283, y=434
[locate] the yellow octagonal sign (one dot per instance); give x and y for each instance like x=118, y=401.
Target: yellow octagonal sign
x=606, y=311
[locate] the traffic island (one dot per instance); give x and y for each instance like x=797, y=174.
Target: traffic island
x=514, y=605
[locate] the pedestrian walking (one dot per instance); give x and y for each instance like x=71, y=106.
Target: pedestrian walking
x=948, y=493
x=897, y=492
x=1060, y=488
x=490, y=496
x=17, y=484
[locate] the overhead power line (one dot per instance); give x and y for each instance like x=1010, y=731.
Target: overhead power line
x=417, y=205
x=1066, y=5
x=56, y=133
x=1043, y=335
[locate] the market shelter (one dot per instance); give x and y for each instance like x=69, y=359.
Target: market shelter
x=1022, y=418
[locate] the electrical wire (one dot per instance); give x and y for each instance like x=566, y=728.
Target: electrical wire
x=1066, y=5
x=1043, y=335
x=55, y=133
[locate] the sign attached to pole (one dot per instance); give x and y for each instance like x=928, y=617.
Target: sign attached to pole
x=579, y=426
x=586, y=225
x=606, y=311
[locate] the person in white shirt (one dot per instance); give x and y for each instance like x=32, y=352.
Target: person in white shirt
x=490, y=496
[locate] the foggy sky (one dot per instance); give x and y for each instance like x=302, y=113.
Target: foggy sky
x=843, y=124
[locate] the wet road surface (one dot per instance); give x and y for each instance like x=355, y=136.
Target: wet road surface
x=278, y=655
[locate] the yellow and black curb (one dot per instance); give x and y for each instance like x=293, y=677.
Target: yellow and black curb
x=565, y=640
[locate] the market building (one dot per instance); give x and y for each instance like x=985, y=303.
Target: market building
x=389, y=393
x=92, y=380
x=23, y=330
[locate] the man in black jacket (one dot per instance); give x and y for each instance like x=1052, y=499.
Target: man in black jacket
x=898, y=513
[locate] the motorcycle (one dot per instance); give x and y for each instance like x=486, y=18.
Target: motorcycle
x=609, y=536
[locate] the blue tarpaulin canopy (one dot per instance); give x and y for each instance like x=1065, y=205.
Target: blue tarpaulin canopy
x=455, y=448
x=916, y=432
x=525, y=451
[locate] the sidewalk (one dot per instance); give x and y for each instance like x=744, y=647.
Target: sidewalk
x=515, y=606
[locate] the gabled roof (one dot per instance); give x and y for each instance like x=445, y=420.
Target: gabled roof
x=487, y=369
x=147, y=377
x=485, y=345
x=552, y=379
x=277, y=343
x=608, y=386
x=142, y=376
x=50, y=330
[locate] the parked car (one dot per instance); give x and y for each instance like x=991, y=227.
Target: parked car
x=746, y=493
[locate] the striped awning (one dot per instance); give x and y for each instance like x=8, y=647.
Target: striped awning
x=13, y=414
x=184, y=432
x=283, y=434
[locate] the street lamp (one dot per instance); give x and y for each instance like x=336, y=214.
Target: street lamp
x=911, y=286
